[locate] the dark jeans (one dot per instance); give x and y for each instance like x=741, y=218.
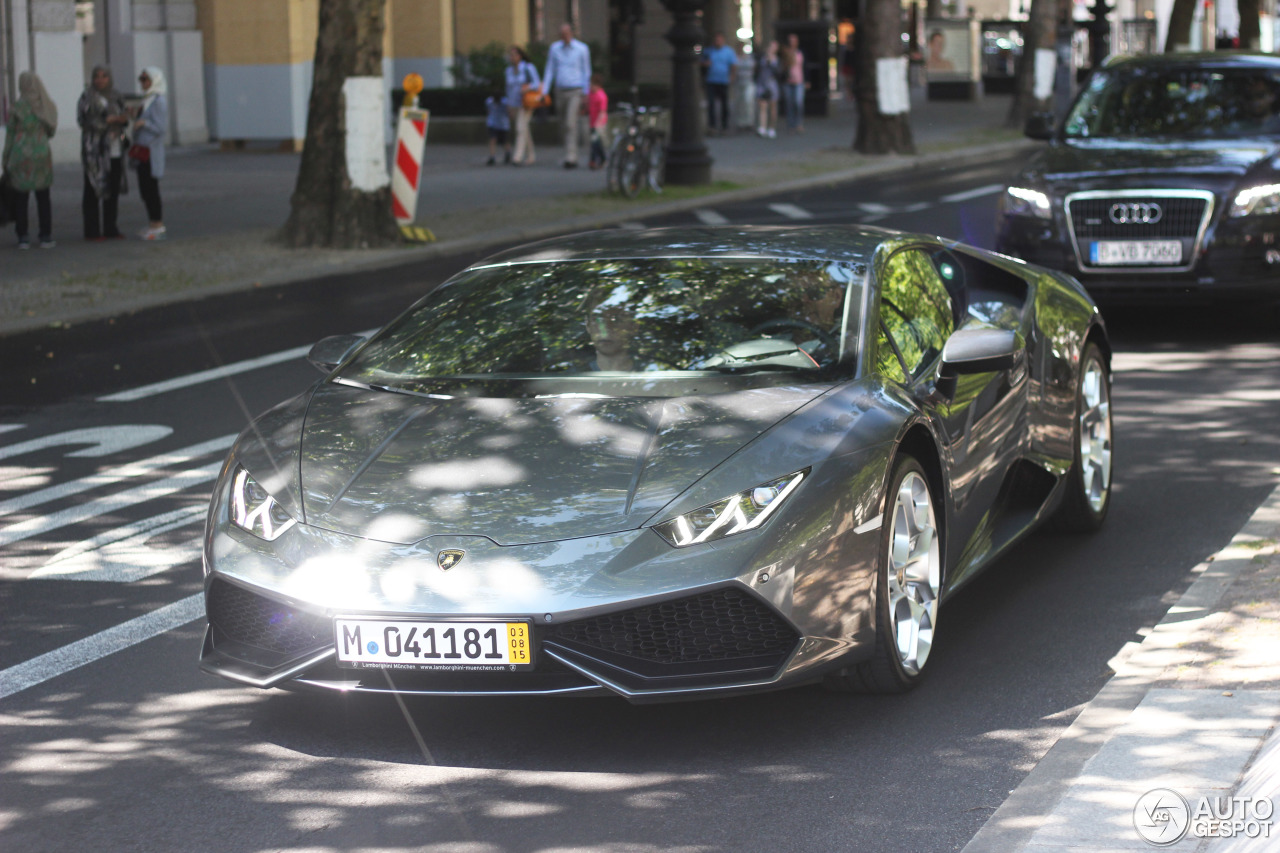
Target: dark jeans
x=718, y=93
x=149, y=189
x=19, y=199
x=104, y=226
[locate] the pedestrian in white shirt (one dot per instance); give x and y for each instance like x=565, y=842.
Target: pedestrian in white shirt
x=567, y=75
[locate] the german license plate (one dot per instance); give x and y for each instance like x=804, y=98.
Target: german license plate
x=432, y=644
x=1136, y=252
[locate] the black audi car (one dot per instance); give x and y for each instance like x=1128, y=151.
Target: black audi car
x=1163, y=180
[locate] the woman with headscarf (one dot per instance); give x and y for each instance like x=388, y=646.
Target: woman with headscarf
x=104, y=121
x=27, y=160
x=147, y=152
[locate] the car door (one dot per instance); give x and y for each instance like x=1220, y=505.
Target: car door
x=981, y=423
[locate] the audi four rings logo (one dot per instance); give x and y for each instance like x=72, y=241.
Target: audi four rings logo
x=1135, y=213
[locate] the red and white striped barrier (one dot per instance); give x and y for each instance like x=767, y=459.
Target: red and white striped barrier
x=411, y=137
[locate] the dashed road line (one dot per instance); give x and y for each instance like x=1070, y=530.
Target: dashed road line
x=977, y=192
x=710, y=217
x=791, y=211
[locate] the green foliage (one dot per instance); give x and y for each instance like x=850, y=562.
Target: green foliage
x=482, y=67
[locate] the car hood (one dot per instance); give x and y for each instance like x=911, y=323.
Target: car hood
x=1089, y=164
x=398, y=468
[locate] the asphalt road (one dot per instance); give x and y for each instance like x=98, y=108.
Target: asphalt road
x=136, y=749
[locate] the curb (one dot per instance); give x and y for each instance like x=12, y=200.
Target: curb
x=1028, y=806
x=379, y=259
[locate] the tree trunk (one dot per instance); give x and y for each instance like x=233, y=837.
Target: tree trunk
x=1250, y=24
x=880, y=38
x=1040, y=34
x=329, y=210
x=1180, y=18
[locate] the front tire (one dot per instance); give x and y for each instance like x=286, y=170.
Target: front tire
x=1088, y=497
x=908, y=587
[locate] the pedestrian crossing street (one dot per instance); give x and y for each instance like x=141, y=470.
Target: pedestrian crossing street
x=772, y=213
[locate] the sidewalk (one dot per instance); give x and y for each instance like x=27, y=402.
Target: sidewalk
x=1187, y=723
x=221, y=209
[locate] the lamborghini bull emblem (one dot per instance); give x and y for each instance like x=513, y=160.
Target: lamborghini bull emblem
x=446, y=560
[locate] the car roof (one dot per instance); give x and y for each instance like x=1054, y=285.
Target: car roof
x=846, y=243
x=1213, y=59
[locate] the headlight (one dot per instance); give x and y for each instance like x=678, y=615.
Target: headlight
x=737, y=514
x=1256, y=200
x=1020, y=201
x=254, y=510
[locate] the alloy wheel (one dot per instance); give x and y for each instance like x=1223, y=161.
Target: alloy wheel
x=914, y=569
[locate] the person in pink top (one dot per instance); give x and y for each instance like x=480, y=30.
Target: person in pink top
x=597, y=119
x=794, y=83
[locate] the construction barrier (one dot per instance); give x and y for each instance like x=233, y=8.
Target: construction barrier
x=411, y=138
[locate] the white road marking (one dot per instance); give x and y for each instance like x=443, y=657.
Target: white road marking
x=874, y=207
x=211, y=374
x=103, y=440
x=143, y=468
x=122, y=555
x=204, y=376
x=917, y=207
x=111, y=503
x=978, y=192
x=791, y=211
x=40, y=669
x=11, y=427
x=710, y=217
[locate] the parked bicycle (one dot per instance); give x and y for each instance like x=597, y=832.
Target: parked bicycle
x=638, y=156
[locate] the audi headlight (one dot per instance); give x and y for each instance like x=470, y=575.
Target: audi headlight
x=1256, y=200
x=736, y=514
x=254, y=510
x=1021, y=201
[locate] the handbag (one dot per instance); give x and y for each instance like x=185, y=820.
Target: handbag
x=532, y=99
x=139, y=153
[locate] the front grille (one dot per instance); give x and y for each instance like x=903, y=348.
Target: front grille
x=246, y=617
x=724, y=625
x=1180, y=217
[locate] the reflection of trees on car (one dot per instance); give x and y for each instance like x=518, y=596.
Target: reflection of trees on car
x=1175, y=102
x=551, y=320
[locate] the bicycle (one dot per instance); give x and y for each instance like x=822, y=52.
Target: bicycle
x=638, y=155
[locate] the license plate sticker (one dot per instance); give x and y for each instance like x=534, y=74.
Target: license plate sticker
x=1135, y=252
x=440, y=645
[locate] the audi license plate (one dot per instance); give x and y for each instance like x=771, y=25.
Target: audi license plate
x=432, y=645
x=1136, y=252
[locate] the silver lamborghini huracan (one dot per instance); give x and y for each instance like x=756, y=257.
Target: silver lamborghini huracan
x=660, y=464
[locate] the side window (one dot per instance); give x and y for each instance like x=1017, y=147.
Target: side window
x=915, y=309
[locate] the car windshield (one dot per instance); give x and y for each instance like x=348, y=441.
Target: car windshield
x=644, y=327
x=1181, y=102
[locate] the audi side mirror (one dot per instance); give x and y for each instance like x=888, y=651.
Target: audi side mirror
x=1039, y=126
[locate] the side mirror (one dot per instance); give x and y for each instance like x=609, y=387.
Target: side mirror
x=329, y=352
x=1039, y=126
x=981, y=351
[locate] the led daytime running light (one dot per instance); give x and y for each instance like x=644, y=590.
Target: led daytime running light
x=1026, y=202
x=254, y=510
x=744, y=511
x=1257, y=200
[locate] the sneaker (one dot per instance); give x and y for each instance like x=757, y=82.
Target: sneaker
x=153, y=233
x=773, y=134
x=24, y=243
x=490, y=161
x=570, y=164
x=48, y=244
